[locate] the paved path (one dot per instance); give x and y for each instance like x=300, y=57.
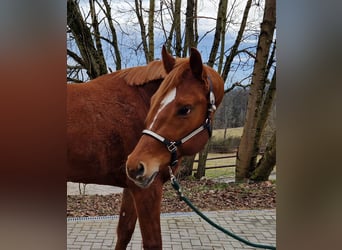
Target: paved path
x=180, y=231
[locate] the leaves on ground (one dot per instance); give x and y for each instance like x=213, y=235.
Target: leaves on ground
x=207, y=195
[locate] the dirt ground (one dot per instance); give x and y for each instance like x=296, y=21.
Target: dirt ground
x=207, y=195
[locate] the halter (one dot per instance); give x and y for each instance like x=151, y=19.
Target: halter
x=172, y=145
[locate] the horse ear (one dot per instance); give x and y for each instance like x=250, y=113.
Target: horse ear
x=168, y=60
x=196, y=63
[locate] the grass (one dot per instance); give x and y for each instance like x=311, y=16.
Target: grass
x=220, y=172
x=215, y=186
x=231, y=132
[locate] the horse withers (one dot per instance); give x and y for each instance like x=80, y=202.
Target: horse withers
x=105, y=119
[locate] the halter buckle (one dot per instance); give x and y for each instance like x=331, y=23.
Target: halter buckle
x=172, y=147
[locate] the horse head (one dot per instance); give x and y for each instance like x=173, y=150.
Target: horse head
x=180, y=117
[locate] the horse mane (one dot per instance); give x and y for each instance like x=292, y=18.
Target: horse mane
x=142, y=74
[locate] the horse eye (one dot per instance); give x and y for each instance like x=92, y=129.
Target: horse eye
x=183, y=111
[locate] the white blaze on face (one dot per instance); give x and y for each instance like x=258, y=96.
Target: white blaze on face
x=167, y=99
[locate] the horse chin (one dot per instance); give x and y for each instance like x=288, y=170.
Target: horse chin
x=147, y=181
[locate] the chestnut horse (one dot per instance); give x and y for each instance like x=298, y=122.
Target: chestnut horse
x=106, y=118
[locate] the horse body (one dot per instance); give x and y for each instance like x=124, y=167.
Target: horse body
x=105, y=120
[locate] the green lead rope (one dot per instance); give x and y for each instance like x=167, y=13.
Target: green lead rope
x=177, y=187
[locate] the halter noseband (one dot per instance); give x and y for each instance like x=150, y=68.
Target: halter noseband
x=172, y=145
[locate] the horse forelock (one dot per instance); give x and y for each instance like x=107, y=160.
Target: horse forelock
x=143, y=74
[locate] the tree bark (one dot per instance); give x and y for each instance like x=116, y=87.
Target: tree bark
x=247, y=149
x=220, y=25
x=186, y=167
x=138, y=12
x=114, y=42
x=267, y=162
x=189, y=27
x=261, y=124
x=202, y=159
x=223, y=42
x=151, y=32
x=95, y=24
x=177, y=23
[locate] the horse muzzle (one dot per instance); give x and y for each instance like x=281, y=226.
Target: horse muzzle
x=140, y=174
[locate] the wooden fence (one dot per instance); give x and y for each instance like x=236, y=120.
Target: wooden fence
x=222, y=157
x=217, y=158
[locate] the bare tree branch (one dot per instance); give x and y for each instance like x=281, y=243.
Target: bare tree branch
x=74, y=56
x=237, y=84
x=69, y=79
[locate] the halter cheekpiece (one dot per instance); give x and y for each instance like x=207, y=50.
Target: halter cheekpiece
x=172, y=145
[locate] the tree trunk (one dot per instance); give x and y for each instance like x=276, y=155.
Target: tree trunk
x=247, y=149
x=267, y=162
x=189, y=27
x=196, y=36
x=237, y=42
x=264, y=113
x=186, y=167
x=220, y=25
x=177, y=23
x=223, y=42
x=202, y=159
x=114, y=42
x=151, y=32
x=95, y=24
x=138, y=12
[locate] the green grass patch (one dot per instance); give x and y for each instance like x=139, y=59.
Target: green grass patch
x=215, y=186
x=220, y=172
x=231, y=132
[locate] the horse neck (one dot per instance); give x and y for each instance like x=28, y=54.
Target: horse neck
x=147, y=90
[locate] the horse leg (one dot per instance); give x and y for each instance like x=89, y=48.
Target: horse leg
x=127, y=220
x=148, y=202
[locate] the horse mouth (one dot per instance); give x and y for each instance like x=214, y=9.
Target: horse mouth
x=145, y=182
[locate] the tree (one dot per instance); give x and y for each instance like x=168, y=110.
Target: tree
x=234, y=49
x=139, y=12
x=91, y=58
x=191, y=36
x=86, y=35
x=267, y=162
x=248, y=148
x=114, y=40
x=186, y=167
x=219, y=31
x=151, y=32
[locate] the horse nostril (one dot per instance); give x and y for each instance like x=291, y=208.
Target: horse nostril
x=141, y=169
